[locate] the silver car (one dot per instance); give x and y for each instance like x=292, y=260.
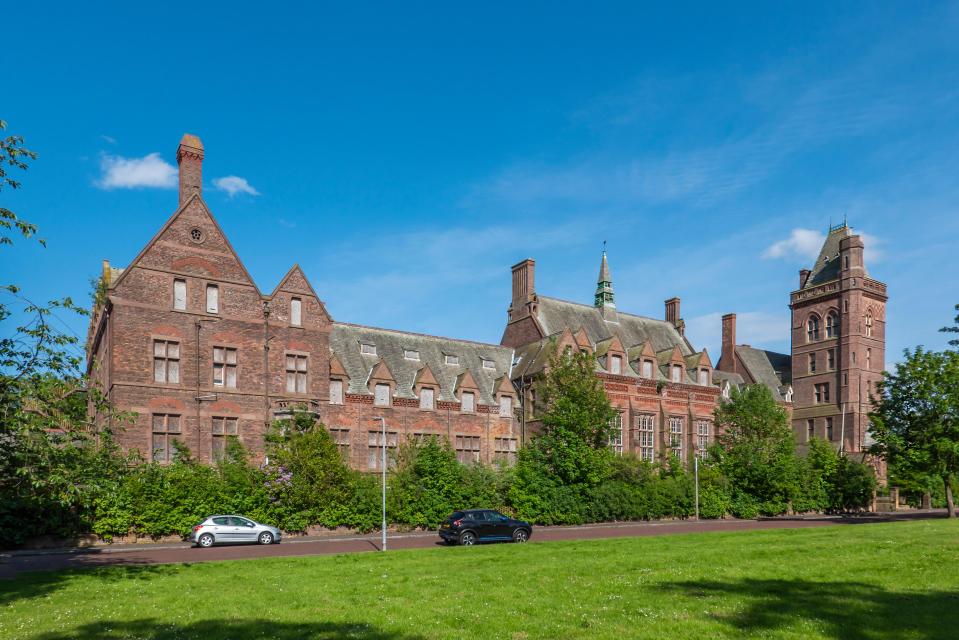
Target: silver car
x=231, y=530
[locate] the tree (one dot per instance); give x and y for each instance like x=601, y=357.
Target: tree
x=574, y=440
x=916, y=421
x=756, y=450
x=953, y=329
x=13, y=154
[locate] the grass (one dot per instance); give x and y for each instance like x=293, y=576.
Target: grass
x=896, y=580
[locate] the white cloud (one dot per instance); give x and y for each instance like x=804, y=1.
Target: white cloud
x=131, y=173
x=872, y=253
x=801, y=243
x=109, y=139
x=234, y=185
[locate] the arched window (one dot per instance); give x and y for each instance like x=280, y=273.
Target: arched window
x=832, y=325
x=868, y=324
x=812, y=328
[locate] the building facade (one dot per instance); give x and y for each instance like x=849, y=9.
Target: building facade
x=838, y=337
x=661, y=386
x=184, y=339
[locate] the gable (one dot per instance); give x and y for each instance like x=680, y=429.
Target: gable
x=191, y=242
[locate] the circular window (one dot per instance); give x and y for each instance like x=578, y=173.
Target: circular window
x=196, y=235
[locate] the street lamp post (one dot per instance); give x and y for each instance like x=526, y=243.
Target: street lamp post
x=696, y=472
x=383, y=469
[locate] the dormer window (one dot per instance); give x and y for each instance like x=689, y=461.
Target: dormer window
x=677, y=374
x=647, y=369
x=704, y=377
x=381, y=395
x=488, y=364
x=426, y=398
x=296, y=312
x=467, y=402
x=367, y=349
x=411, y=354
x=616, y=365
x=451, y=359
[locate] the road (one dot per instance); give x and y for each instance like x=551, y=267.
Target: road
x=15, y=562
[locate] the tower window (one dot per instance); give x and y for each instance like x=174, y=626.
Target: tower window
x=810, y=429
x=832, y=325
x=812, y=329
x=822, y=393
x=830, y=434
x=812, y=363
x=831, y=359
x=868, y=325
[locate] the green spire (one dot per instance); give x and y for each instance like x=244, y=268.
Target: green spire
x=605, y=298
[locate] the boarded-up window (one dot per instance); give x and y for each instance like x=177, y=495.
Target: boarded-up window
x=375, y=452
x=647, y=369
x=451, y=359
x=381, y=395
x=224, y=367
x=368, y=349
x=488, y=364
x=336, y=392
x=223, y=428
x=505, y=449
x=468, y=402
x=703, y=376
x=166, y=361
x=212, y=298
x=411, y=354
x=296, y=310
x=296, y=373
x=165, y=429
x=179, y=295
x=467, y=449
x=616, y=365
x=505, y=406
x=677, y=373
x=426, y=398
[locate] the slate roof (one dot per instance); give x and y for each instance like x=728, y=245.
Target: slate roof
x=827, y=264
x=554, y=315
x=762, y=366
x=345, y=340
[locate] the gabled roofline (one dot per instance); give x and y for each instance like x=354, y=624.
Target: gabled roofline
x=166, y=225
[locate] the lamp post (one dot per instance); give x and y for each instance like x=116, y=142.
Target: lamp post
x=696, y=473
x=383, y=469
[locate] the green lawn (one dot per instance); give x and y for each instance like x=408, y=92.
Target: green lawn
x=895, y=580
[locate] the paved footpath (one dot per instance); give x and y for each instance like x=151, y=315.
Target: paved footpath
x=15, y=562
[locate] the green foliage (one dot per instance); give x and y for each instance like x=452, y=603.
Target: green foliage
x=916, y=422
x=953, y=329
x=426, y=485
x=756, y=451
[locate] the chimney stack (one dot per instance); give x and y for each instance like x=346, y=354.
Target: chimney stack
x=803, y=276
x=727, y=359
x=672, y=315
x=189, y=155
x=523, y=286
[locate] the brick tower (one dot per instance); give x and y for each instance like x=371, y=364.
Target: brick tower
x=838, y=343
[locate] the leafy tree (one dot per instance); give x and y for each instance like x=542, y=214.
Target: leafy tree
x=756, y=451
x=916, y=421
x=13, y=154
x=573, y=443
x=427, y=482
x=953, y=329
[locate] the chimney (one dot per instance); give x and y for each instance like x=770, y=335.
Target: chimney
x=672, y=311
x=523, y=287
x=189, y=155
x=727, y=359
x=803, y=276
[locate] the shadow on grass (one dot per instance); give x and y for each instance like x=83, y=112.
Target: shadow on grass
x=41, y=583
x=151, y=629
x=848, y=610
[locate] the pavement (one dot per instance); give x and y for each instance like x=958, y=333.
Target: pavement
x=13, y=563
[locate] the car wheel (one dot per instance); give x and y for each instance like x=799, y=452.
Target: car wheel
x=468, y=539
x=205, y=541
x=265, y=538
x=520, y=535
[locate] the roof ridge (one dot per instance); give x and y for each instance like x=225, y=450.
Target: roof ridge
x=622, y=313
x=422, y=335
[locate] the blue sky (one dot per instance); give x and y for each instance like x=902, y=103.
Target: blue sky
x=407, y=155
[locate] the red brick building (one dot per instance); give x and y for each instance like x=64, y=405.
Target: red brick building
x=185, y=339
x=660, y=384
x=838, y=334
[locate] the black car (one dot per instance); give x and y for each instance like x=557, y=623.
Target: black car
x=483, y=525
